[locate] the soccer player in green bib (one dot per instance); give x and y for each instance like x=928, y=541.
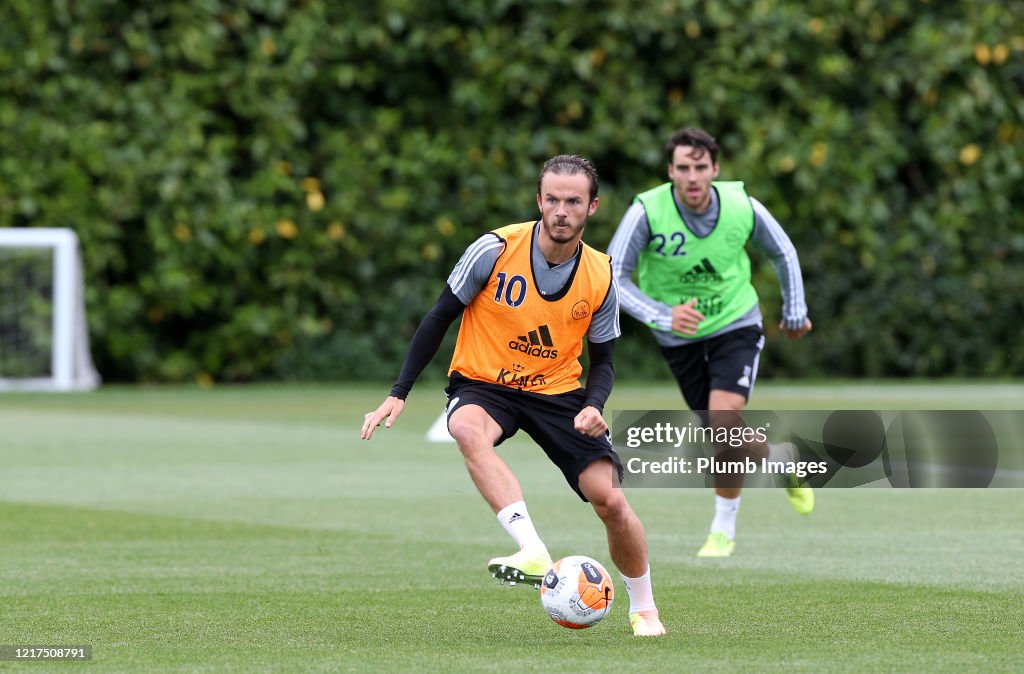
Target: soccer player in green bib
x=686, y=241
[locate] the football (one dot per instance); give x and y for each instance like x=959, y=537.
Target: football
x=577, y=592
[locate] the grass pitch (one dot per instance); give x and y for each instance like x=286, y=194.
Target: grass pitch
x=248, y=529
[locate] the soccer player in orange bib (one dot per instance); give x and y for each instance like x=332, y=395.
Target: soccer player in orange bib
x=529, y=294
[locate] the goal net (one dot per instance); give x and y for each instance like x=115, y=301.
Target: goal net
x=44, y=342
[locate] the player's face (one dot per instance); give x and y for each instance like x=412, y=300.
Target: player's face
x=692, y=171
x=565, y=205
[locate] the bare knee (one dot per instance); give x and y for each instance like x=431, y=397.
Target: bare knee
x=724, y=407
x=597, y=484
x=611, y=505
x=726, y=400
x=473, y=429
x=467, y=434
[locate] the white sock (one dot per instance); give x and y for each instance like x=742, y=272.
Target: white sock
x=783, y=452
x=641, y=596
x=725, y=516
x=519, y=526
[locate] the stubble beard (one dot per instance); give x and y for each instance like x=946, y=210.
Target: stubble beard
x=563, y=235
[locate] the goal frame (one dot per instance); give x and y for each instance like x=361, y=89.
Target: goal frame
x=71, y=367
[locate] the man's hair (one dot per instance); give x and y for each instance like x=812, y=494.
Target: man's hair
x=570, y=165
x=692, y=137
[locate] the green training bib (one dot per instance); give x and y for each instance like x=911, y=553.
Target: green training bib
x=677, y=264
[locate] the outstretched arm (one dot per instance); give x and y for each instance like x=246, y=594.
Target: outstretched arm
x=424, y=345
x=427, y=340
x=468, y=277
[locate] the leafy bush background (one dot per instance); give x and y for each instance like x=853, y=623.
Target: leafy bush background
x=278, y=189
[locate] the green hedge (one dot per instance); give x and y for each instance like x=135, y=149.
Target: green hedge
x=278, y=189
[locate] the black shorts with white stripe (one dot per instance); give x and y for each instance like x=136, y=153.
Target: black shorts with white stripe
x=727, y=362
x=548, y=419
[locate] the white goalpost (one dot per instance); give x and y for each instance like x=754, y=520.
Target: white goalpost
x=44, y=340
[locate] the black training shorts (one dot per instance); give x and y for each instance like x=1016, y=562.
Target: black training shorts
x=548, y=419
x=727, y=362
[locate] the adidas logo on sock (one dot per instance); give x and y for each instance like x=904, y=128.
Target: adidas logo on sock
x=515, y=517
